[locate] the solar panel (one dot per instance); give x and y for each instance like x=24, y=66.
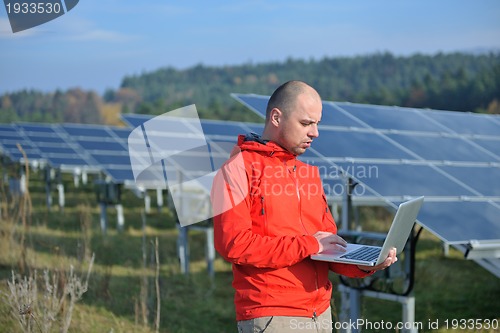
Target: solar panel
x=334, y=116
x=220, y=135
x=398, y=180
x=121, y=133
x=61, y=150
x=86, y=131
x=230, y=129
x=5, y=129
x=9, y=138
x=135, y=120
x=37, y=128
x=120, y=175
x=380, y=117
x=450, y=157
x=439, y=148
x=71, y=147
x=101, y=145
x=256, y=103
x=105, y=146
x=68, y=162
x=58, y=150
x=465, y=122
x=45, y=139
x=462, y=221
x=107, y=159
x=483, y=180
x=255, y=128
x=493, y=144
x=357, y=144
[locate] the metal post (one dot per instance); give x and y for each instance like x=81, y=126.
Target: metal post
x=210, y=251
x=409, y=314
x=48, y=180
x=446, y=249
x=120, y=217
x=22, y=184
x=345, y=205
x=183, y=249
x=60, y=191
x=344, y=307
x=354, y=307
x=104, y=217
x=147, y=202
x=76, y=177
x=48, y=195
x=159, y=199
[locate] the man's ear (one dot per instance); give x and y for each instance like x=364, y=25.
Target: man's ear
x=276, y=116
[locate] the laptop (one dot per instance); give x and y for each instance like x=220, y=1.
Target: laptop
x=368, y=255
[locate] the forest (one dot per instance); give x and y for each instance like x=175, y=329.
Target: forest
x=453, y=81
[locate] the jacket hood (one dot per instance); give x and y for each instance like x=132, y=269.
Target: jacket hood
x=254, y=142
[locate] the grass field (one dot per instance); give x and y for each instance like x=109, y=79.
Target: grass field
x=446, y=288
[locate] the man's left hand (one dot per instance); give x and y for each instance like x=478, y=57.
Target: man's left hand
x=391, y=259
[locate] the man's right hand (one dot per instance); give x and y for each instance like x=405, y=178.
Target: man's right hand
x=329, y=241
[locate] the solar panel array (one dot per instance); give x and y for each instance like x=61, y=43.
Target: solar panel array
x=106, y=146
x=452, y=158
x=95, y=148
x=9, y=141
x=220, y=139
x=184, y=153
x=70, y=147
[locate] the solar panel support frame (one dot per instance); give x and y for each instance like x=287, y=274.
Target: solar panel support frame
x=351, y=297
x=480, y=250
x=109, y=193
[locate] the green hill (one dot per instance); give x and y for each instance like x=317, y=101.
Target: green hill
x=455, y=81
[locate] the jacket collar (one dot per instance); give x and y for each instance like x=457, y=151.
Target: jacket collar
x=254, y=142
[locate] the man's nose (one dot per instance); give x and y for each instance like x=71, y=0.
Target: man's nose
x=313, y=132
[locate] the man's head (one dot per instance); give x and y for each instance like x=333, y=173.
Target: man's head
x=292, y=116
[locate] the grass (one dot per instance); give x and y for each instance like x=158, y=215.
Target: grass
x=446, y=287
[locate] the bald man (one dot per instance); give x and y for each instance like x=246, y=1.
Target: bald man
x=272, y=214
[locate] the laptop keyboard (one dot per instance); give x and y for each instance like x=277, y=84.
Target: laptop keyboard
x=365, y=253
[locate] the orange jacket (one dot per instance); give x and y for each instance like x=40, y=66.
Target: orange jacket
x=270, y=205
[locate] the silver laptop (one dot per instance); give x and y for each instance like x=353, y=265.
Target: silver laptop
x=368, y=255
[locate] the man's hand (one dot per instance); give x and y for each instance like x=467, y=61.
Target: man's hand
x=391, y=259
x=328, y=241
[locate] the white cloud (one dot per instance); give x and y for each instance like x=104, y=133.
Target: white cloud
x=79, y=29
x=100, y=35
x=74, y=29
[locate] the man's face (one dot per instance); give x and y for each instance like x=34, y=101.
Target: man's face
x=300, y=126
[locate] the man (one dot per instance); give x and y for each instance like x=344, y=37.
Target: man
x=272, y=214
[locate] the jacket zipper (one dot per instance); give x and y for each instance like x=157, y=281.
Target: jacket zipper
x=314, y=316
x=263, y=213
x=294, y=178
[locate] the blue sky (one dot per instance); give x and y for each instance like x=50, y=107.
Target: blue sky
x=99, y=42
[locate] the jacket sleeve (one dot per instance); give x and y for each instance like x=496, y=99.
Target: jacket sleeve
x=348, y=270
x=233, y=236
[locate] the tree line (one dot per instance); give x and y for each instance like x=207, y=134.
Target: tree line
x=71, y=106
x=453, y=81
